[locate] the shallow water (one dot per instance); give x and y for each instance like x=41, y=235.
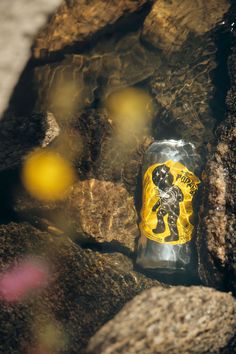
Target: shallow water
x=187, y=89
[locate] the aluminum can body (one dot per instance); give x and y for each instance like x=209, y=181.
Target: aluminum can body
x=170, y=186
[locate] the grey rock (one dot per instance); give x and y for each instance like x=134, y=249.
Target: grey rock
x=20, y=22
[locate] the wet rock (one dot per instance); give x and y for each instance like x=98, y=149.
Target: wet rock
x=68, y=86
x=121, y=161
x=76, y=21
x=94, y=211
x=86, y=289
x=19, y=135
x=169, y=23
x=176, y=320
x=103, y=211
x=19, y=24
x=217, y=237
x=184, y=89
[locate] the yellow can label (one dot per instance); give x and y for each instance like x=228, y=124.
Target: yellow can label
x=167, y=212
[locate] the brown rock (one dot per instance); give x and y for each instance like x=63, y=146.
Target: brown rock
x=68, y=86
x=76, y=21
x=19, y=135
x=94, y=211
x=217, y=237
x=176, y=320
x=86, y=289
x=184, y=89
x=170, y=22
x=104, y=211
x=217, y=262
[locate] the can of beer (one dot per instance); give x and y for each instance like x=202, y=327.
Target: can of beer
x=170, y=184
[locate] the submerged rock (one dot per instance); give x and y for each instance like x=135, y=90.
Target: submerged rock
x=169, y=23
x=85, y=290
x=184, y=89
x=77, y=21
x=176, y=320
x=103, y=211
x=94, y=211
x=217, y=248
x=72, y=84
x=19, y=135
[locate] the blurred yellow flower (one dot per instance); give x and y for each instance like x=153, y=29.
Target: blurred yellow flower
x=130, y=107
x=46, y=175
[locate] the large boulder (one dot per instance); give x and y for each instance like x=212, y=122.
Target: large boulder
x=78, y=20
x=176, y=320
x=85, y=290
x=217, y=237
x=20, y=23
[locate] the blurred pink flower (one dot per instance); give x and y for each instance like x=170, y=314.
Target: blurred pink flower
x=17, y=282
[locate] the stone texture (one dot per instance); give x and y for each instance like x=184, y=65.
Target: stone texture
x=19, y=135
x=104, y=211
x=78, y=20
x=86, y=289
x=19, y=24
x=184, y=90
x=94, y=211
x=176, y=320
x=169, y=23
x=217, y=237
x=68, y=86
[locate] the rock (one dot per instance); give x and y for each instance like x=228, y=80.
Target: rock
x=169, y=23
x=120, y=161
x=77, y=21
x=19, y=135
x=94, y=211
x=85, y=290
x=103, y=211
x=217, y=248
x=19, y=24
x=184, y=90
x=68, y=86
x=176, y=320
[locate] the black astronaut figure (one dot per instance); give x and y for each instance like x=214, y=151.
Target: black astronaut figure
x=168, y=203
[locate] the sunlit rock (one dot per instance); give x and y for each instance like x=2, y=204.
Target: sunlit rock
x=69, y=86
x=78, y=20
x=169, y=23
x=176, y=320
x=104, y=211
